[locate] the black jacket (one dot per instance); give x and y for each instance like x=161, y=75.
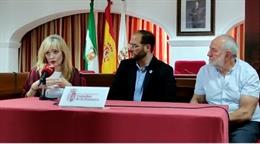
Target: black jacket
x=159, y=83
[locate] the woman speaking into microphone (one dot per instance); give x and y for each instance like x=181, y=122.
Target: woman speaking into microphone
x=53, y=70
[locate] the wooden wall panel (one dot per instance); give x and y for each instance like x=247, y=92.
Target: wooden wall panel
x=252, y=33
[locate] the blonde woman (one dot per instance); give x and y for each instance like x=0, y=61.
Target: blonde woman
x=54, y=52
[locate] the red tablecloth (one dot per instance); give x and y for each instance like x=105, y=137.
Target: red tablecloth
x=32, y=120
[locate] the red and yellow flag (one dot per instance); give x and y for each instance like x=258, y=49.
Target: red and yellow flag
x=109, y=48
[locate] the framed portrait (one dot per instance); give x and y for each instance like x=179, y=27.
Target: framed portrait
x=195, y=17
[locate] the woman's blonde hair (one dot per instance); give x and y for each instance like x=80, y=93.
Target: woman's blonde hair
x=56, y=42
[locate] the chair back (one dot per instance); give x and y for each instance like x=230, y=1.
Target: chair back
x=188, y=66
x=86, y=71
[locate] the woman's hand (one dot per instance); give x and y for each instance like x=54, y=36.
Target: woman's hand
x=60, y=82
x=34, y=88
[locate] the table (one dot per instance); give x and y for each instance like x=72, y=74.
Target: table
x=33, y=120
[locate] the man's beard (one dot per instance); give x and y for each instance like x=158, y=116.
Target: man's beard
x=219, y=62
x=140, y=55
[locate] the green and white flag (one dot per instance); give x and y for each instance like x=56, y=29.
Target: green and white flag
x=91, y=52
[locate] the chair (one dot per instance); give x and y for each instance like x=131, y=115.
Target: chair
x=188, y=66
x=86, y=71
x=82, y=79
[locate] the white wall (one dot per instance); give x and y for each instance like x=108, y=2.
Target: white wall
x=228, y=13
x=20, y=16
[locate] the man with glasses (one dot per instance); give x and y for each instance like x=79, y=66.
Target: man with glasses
x=143, y=77
x=227, y=80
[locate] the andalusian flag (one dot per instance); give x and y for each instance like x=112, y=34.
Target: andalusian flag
x=91, y=53
x=122, y=42
x=109, y=48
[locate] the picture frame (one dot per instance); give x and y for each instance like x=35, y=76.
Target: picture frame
x=195, y=17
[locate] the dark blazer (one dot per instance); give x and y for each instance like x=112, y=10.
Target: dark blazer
x=159, y=83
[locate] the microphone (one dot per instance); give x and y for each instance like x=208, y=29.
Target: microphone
x=46, y=72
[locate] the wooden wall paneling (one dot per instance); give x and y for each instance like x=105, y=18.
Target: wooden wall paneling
x=252, y=33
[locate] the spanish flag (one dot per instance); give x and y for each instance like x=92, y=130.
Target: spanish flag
x=109, y=48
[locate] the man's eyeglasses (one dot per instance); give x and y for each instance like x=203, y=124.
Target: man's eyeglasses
x=134, y=46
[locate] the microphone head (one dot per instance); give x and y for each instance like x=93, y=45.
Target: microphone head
x=48, y=70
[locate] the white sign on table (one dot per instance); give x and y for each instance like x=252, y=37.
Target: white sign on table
x=84, y=96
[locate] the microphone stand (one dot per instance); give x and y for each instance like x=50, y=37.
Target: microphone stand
x=42, y=96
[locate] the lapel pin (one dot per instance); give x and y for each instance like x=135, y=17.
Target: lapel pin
x=150, y=71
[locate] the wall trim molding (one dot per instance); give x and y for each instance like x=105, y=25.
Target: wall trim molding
x=189, y=43
x=15, y=45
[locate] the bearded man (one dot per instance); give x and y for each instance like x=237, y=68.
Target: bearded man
x=143, y=77
x=227, y=80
